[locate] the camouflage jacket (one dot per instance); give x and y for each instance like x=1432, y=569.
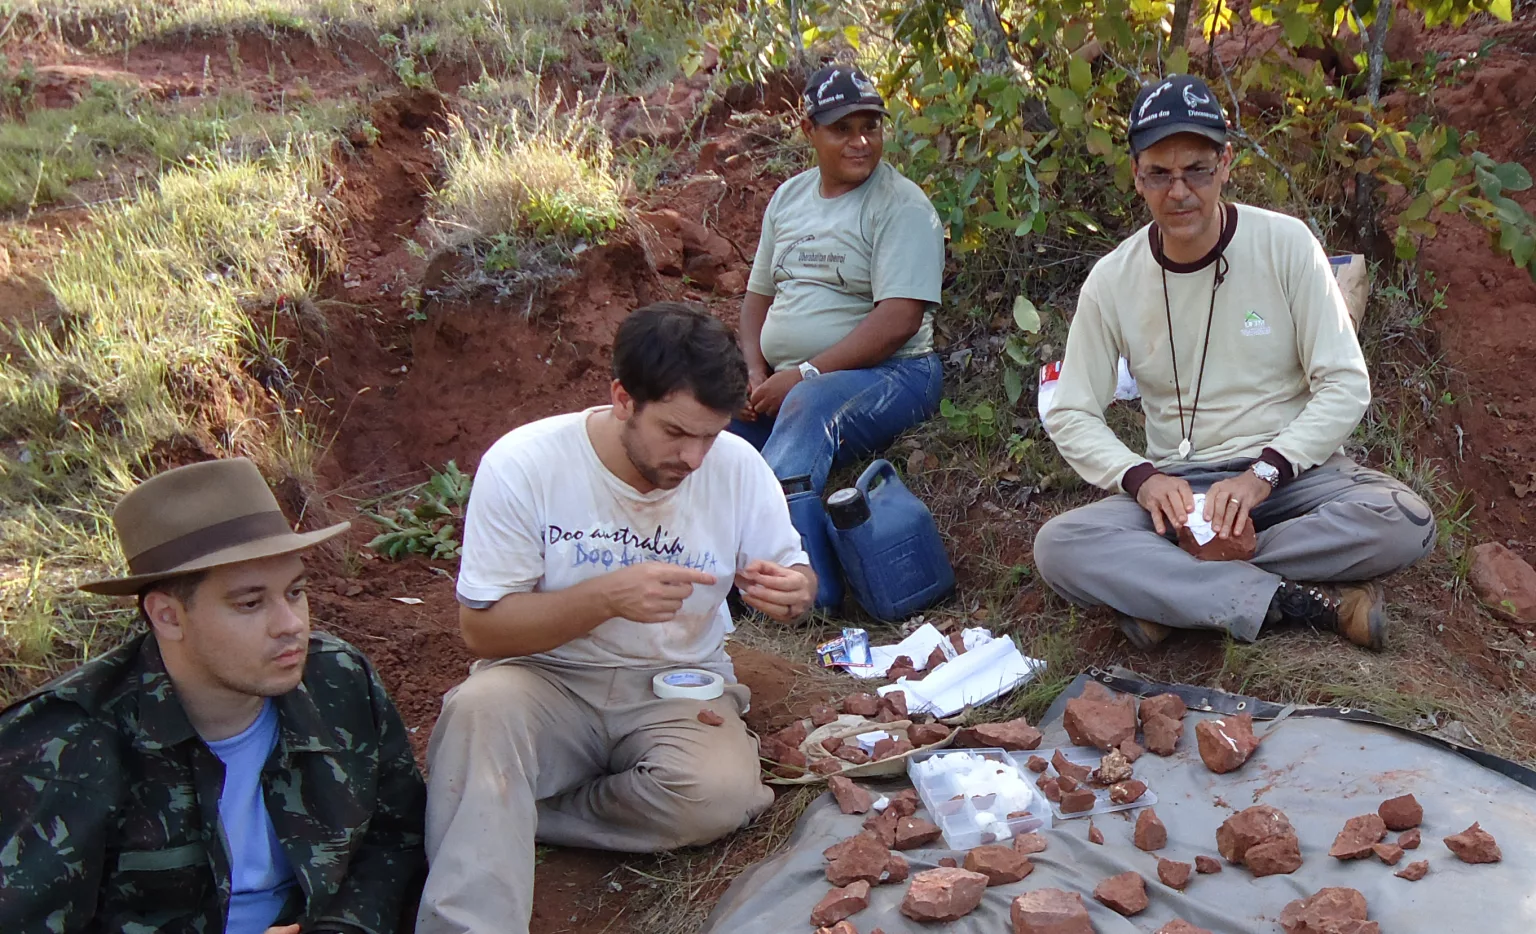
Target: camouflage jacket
x=109, y=802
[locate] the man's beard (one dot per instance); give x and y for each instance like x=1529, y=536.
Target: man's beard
x=653, y=475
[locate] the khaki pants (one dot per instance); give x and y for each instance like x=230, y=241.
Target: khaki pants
x=574, y=757
x=1338, y=522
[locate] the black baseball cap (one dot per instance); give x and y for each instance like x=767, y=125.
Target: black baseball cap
x=835, y=91
x=1176, y=104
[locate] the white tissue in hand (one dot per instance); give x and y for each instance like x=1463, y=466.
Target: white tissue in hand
x=1198, y=526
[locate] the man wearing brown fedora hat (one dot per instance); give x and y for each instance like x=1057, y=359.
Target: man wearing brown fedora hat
x=228, y=770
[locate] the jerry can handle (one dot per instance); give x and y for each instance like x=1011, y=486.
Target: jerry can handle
x=876, y=474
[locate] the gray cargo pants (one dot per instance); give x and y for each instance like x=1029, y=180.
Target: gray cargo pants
x=1336, y=522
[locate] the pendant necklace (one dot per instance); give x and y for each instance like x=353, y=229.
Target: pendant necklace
x=1187, y=434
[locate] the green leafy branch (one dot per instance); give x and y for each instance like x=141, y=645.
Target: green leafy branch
x=428, y=520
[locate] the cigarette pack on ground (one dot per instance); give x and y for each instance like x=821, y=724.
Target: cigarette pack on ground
x=850, y=650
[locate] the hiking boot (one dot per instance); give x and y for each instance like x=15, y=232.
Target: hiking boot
x=1356, y=612
x=1141, y=633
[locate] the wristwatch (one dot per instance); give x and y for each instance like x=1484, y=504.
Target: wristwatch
x=808, y=370
x=1267, y=472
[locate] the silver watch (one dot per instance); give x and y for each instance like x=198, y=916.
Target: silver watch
x=808, y=370
x=1267, y=472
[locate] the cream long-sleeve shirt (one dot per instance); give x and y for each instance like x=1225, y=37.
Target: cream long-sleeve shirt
x=1284, y=368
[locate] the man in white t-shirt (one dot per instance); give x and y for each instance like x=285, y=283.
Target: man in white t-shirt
x=598, y=551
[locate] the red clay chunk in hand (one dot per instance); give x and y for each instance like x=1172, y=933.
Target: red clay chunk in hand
x=1125, y=893
x=1401, y=813
x=1474, y=845
x=841, y=903
x=1173, y=874
x=944, y=894
x=710, y=718
x=1050, y=911
x=851, y=798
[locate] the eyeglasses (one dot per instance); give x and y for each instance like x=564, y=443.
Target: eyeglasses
x=1192, y=178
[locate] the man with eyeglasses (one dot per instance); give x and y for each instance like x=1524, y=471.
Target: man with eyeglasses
x=837, y=323
x=1251, y=379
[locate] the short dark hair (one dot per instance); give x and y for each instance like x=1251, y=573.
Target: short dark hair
x=182, y=587
x=669, y=346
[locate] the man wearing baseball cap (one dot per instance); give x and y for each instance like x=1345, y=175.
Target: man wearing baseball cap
x=1251, y=380
x=837, y=323
x=227, y=770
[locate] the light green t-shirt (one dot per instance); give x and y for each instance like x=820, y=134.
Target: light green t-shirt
x=827, y=261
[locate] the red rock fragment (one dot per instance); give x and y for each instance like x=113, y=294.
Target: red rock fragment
x=841, y=847
x=821, y=715
x=851, y=752
x=861, y=705
x=896, y=869
x=905, y=802
x=1100, y=718
x=826, y=766
x=1388, y=853
x=1068, y=784
x=1068, y=768
x=913, y=832
x=710, y=718
x=841, y=927
x=1014, y=736
x=1126, y=792
x=1474, y=845
x=883, y=825
x=1162, y=734
x=1173, y=873
x=841, y=903
x=1261, y=838
x=1150, y=833
x=832, y=743
x=894, y=703
x=1050, y=911
x=851, y=798
x=1095, y=835
x=948, y=862
x=1409, y=839
x=1401, y=813
x=1050, y=787
x=1037, y=764
x=1131, y=751
x=1334, y=910
x=791, y=736
x=902, y=667
x=1076, y=802
x=1180, y=926
x=926, y=734
x=863, y=859
x=957, y=642
x=1207, y=865
x=1163, y=705
x=1029, y=843
x=1227, y=743
x=944, y=894
x=889, y=748
x=1357, y=838
x=1000, y=864
x=935, y=659
x=1125, y=893
x=1413, y=872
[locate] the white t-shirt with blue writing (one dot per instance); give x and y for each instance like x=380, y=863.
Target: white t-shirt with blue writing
x=545, y=515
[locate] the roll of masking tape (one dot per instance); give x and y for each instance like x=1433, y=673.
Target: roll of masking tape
x=692, y=683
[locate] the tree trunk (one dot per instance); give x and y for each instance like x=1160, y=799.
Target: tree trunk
x=990, y=41
x=1180, y=35
x=1366, y=227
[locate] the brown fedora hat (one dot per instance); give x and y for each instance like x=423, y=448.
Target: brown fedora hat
x=198, y=517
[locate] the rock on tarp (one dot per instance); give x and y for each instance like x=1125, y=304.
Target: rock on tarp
x=1319, y=771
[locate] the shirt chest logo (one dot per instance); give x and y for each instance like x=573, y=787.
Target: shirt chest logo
x=1254, y=325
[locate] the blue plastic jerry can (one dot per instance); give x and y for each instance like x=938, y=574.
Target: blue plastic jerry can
x=892, y=555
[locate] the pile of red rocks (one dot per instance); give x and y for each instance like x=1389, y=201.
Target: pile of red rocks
x=907, y=732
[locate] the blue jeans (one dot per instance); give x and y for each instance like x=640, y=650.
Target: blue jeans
x=832, y=420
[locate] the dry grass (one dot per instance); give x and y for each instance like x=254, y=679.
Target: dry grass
x=525, y=168
x=146, y=356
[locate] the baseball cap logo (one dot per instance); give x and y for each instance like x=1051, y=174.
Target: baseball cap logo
x=1193, y=98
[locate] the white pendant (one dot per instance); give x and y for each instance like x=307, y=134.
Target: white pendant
x=1184, y=448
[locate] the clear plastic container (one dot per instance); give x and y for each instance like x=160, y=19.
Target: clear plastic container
x=973, y=808
x=1085, y=756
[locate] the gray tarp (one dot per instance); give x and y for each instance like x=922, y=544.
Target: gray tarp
x=1317, y=768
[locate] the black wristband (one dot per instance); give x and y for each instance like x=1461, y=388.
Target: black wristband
x=1136, y=476
x=1277, y=460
